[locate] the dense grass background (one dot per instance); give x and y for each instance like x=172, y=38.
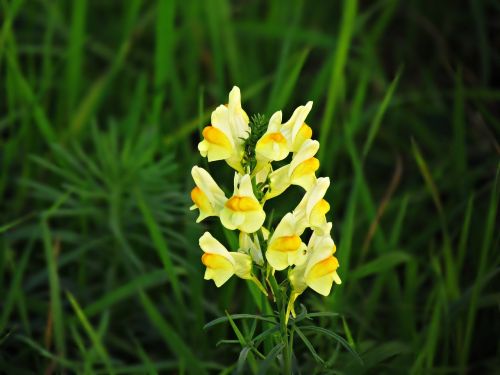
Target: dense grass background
x=101, y=103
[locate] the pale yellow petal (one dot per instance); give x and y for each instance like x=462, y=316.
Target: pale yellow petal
x=322, y=285
x=277, y=259
x=211, y=245
x=279, y=181
x=218, y=276
x=253, y=221
x=242, y=265
x=321, y=276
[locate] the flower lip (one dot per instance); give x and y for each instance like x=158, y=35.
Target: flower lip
x=215, y=136
x=324, y=267
x=244, y=204
x=310, y=165
x=273, y=137
x=215, y=261
x=286, y=243
x=200, y=199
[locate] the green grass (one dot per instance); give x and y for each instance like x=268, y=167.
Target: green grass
x=101, y=107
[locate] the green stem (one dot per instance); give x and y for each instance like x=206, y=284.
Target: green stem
x=259, y=285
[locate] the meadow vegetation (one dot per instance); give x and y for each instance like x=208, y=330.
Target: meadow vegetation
x=101, y=108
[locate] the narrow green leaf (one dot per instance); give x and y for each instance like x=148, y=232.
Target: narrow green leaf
x=268, y=362
x=91, y=332
x=380, y=264
x=160, y=244
x=224, y=319
x=336, y=337
x=377, y=121
x=309, y=346
x=171, y=337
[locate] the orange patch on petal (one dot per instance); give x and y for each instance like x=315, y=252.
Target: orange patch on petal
x=243, y=204
x=306, y=167
x=273, y=137
x=286, y=243
x=322, y=206
x=305, y=131
x=215, y=136
x=215, y=261
x=324, y=267
x=200, y=199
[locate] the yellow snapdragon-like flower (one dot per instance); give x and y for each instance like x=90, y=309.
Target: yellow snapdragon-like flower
x=301, y=170
x=251, y=246
x=222, y=264
x=295, y=130
x=285, y=245
x=224, y=138
x=312, y=209
x=319, y=271
x=243, y=211
x=207, y=196
x=272, y=146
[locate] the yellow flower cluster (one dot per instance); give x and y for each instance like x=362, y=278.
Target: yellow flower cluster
x=310, y=265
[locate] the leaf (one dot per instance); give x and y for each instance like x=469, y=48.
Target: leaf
x=380, y=264
x=380, y=113
x=171, y=337
x=335, y=336
x=266, y=363
x=242, y=359
x=93, y=335
x=309, y=346
x=224, y=319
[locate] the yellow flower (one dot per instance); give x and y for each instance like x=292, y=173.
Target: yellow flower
x=272, y=146
x=224, y=138
x=243, y=211
x=296, y=131
x=207, y=196
x=251, y=246
x=301, y=170
x=222, y=264
x=285, y=246
x=312, y=209
x=319, y=271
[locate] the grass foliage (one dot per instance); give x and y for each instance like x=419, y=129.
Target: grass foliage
x=101, y=106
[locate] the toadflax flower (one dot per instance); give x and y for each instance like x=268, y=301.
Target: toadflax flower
x=312, y=209
x=222, y=264
x=295, y=130
x=224, y=138
x=243, y=211
x=285, y=245
x=300, y=171
x=252, y=247
x=272, y=146
x=207, y=196
x=319, y=270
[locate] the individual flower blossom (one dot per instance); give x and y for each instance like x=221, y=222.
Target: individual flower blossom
x=285, y=246
x=312, y=209
x=222, y=264
x=243, y=211
x=207, y=196
x=224, y=138
x=319, y=271
x=272, y=146
x=295, y=130
x=301, y=170
x=251, y=246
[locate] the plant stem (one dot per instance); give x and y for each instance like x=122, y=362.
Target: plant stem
x=288, y=352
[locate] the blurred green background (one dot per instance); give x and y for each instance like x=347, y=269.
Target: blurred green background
x=101, y=104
